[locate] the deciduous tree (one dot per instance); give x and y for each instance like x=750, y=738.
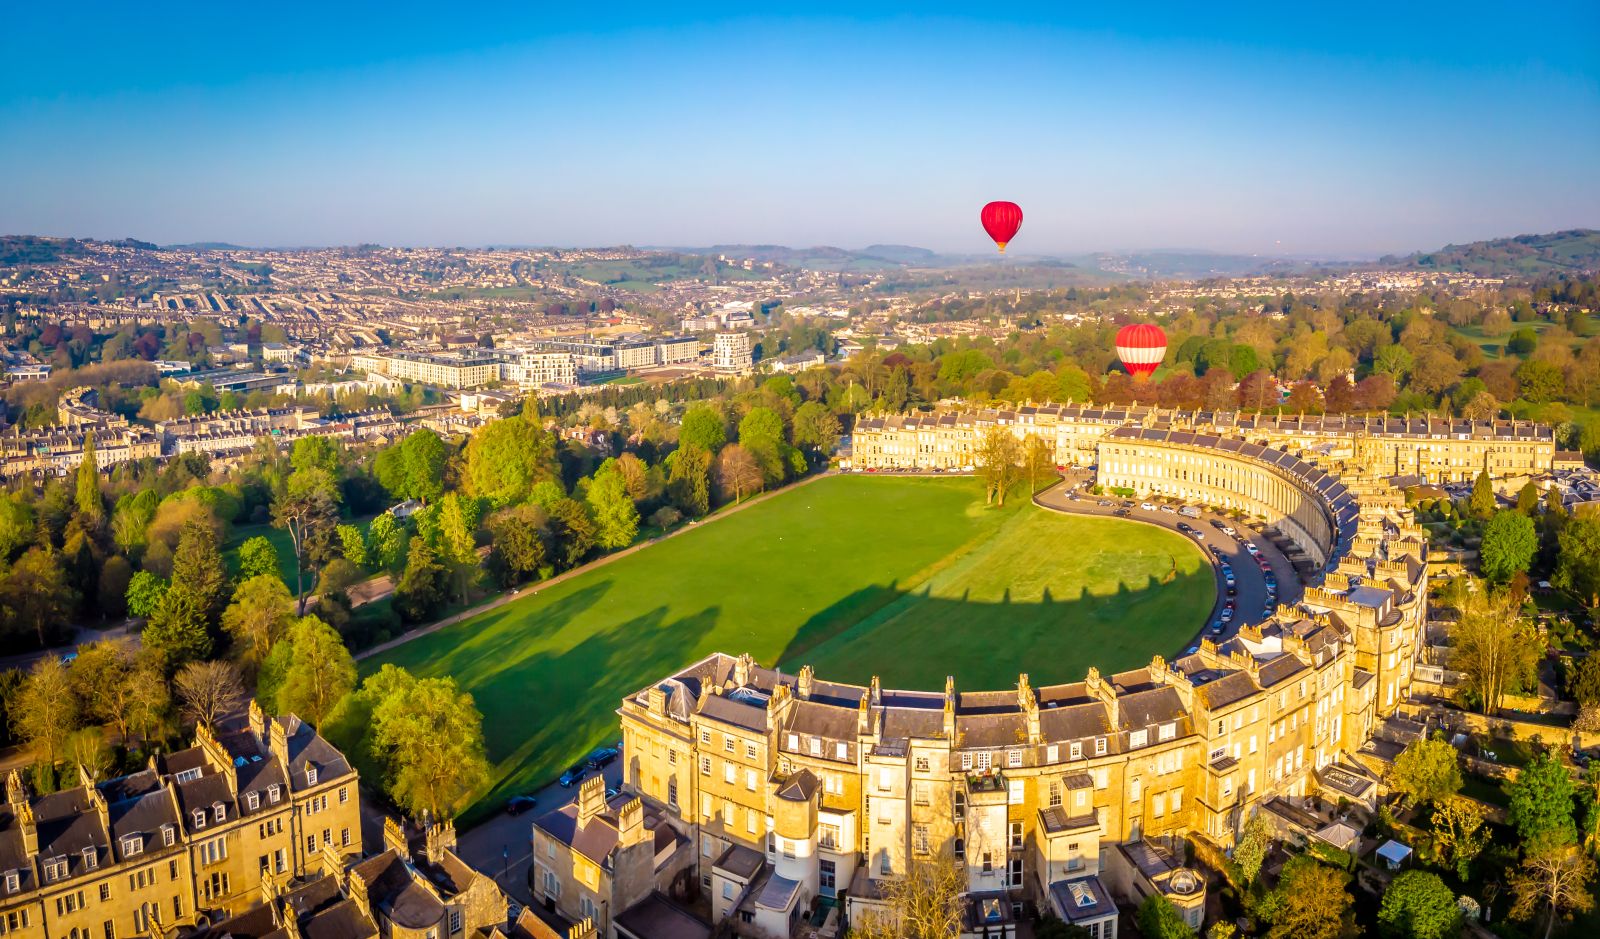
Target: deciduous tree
x=318, y=672
x=1578, y=563
x=209, y=691
x=516, y=546
x=1493, y=643
x=45, y=711
x=36, y=594
x=258, y=615
x=1159, y=919
x=257, y=556
x=924, y=904
x=816, y=429
x=999, y=456
x=615, y=517
x=429, y=734
x=738, y=473
x=1426, y=771
x=1310, y=902
x=1553, y=879
x=1509, y=542
x=1418, y=905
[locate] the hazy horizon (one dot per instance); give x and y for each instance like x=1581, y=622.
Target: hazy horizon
x=1253, y=130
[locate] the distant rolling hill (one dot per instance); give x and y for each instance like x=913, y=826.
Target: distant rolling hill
x=829, y=258
x=1571, y=251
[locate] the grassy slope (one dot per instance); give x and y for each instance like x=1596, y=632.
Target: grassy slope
x=781, y=580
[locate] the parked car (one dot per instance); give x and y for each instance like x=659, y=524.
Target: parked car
x=1217, y=625
x=1189, y=511
x=602, y=757
x=1186, y=528
x=573, y=776
x=516, y=805
x=1169, y=510
x=1122, y=513
x=1147, y=506
x=1219, y=525
x=1105, y=503
x=1226, y=616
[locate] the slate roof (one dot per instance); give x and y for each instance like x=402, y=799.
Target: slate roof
x=394, y=890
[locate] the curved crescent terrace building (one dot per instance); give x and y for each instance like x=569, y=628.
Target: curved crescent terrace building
x=784, y=787
x=1435, y=450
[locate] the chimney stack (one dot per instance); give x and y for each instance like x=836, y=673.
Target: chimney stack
x=591, y=799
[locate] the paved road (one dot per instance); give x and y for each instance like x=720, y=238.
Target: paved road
x=81, y=635
x=1252, y=586
x=502, y=845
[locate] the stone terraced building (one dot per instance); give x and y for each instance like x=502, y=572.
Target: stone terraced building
x=796, y=795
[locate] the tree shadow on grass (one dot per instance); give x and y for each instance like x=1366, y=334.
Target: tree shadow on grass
x=473, y=650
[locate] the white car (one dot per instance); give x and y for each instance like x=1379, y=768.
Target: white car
x=1147, y=506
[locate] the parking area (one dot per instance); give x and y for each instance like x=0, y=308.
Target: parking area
x=502, y=846
x=1262, y=576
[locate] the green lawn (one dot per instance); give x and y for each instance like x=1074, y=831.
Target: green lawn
x=280, y=541
x=910, y=579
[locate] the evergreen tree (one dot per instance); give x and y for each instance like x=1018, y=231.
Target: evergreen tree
x=1481, y=503
x=91, y=509
x=177, y=628
x=197, y=568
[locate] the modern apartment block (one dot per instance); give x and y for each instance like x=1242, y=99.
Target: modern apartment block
x=531, y=368
x=1435, y=450
x=629, y=353
x=189, y=839
x=445, y=370
x=732, y=351
x=1065, y=797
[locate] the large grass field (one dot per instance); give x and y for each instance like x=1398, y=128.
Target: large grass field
x=911, y=579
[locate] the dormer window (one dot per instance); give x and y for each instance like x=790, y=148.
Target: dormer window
x=1167, y=731
x=199, y=818
x=168, y=834
x=188, y=775
x=311, y=775
x=131, y=845
x=13, y=882
x=272, y=793
x=252, y=800
x=218, y=812
x=55, y=869
x=91, y=859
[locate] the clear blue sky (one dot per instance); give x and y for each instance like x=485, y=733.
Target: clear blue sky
x=1348, y=129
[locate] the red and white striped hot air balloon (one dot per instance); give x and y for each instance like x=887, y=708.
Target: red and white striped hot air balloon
x=1141, y=347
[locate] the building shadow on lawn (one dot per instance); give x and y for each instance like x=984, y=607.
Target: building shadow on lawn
x=915, y=639
x=545, y=711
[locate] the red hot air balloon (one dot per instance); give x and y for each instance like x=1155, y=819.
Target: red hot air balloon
x=1001, y=220
x=1141, y=347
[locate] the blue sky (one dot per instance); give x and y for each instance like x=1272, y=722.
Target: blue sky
x=1346, y=131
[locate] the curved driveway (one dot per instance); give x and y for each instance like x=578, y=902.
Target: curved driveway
x=1252, y=586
